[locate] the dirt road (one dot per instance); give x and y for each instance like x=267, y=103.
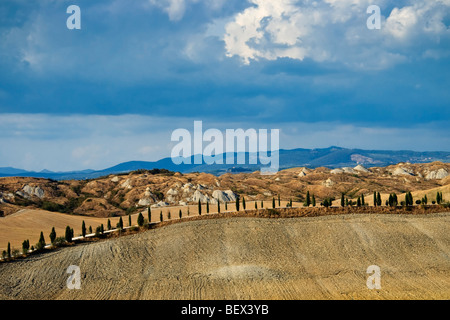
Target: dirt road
x=250, y=258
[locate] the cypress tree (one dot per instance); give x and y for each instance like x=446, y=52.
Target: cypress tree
x=378, y=199
x=393, y=201
x=409, y=199
x=25, y=246
x=68, y=235
x=262, y=204
x=149, y=214
x=439, y=197
x=140, y=219
x=102, y=229
x=160, y=216
x=313, y=200
x=256, y=205
x=342, y=200
x=346, y=202
x=90, y=229
x=41, y=239
x=243, y=203
x=358, y=202
x=9, y=250
x=180, y=214
x=168, y=215
x=226, y=205
x=273, y=203
x=199, y=208
x=83, y=228
x=108, y=226
x=308, y=199
x=374, y=198
x=120, y=224
x=129, y=220
x=237, y=203
x=218, y=205
x=207, y=206
x=98, y=231
x=52, y=235
x=279, y=201
x=363, y=202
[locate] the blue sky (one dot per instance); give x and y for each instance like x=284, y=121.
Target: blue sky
x=137, y=70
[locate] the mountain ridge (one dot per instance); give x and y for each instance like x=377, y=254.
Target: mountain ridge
x=331, y=157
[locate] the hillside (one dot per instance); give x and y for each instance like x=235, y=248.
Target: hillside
x=250, y=258
x=118, y=195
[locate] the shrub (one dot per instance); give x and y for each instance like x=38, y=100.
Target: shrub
x=51, y=206
x=131, y=210
x=273, y=212
x=327, y=202
x=15, y=252
x=39, y=246
x=59, y=241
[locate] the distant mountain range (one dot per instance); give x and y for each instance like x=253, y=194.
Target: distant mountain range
x=332, y=157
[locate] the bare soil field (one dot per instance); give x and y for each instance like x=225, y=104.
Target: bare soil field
x=250, y=258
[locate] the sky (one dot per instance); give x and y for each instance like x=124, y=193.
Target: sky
x=116, y=89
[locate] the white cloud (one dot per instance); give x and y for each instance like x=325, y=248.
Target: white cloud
x=335, y=31
x=419, y=19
